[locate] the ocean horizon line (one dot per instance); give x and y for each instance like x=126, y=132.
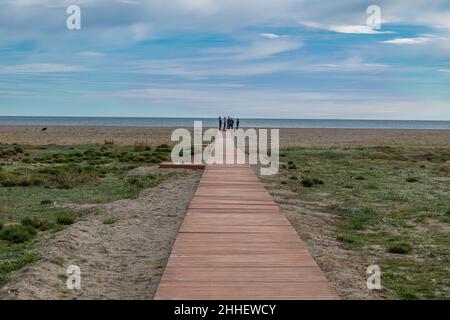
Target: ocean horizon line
x=215, y=118
x=213, y=122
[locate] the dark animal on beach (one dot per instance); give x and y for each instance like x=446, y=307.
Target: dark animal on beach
x=44, y=129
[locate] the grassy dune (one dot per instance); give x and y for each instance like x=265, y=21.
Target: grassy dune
x=33, y=178
x=392, y=203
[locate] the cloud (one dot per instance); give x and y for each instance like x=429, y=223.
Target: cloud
x=132, y=20
x=271, y=35
x=356, y=29
x=351, y=65
x=267, y=48
x=91, y=54
x=350, y=29
x=41, y=68
x=417, y=40
x=220, y=67
x=444, y=70
x=282, y=103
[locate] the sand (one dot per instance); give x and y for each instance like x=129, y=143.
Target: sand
x=345, y=269
x=129, y=135
x=124, y=260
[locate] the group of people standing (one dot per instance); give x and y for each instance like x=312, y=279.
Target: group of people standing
x=228, y=123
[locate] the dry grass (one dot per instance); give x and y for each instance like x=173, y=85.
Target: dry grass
x=140, y=146
x=445, y=167
x=72, y=180
x=109, y=142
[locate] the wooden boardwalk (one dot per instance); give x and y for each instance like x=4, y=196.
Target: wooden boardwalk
x=236, y=244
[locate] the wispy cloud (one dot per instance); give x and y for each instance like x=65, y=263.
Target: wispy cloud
x=41, y=68
x=194, y=69
x=271, y=35
x=350, y=29
x=267, y=48
x=91, y=54
x=280, y=103
x=417, y=40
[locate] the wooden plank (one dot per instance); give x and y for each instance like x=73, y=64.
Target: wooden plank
x=248, y=220
x=233, y=207
x=235, y=244
x=243, y=260
x=171, y=165
x=227, y=211
x=186, y=247
x=258, y=291
x=188, y=227
x=236, y=219
x=221, y=200
x=238, y=237
x=234, y=275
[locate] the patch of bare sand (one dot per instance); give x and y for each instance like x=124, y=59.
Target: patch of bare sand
x=124, y=260
x=345, y=269
x=70, y=135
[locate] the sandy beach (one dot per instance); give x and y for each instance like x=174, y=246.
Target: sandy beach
x=73, y=135
x=129, y=238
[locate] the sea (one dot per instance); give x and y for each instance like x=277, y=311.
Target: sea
x=213, y=122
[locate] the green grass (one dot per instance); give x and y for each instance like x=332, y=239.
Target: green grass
x=384, y=196
x=109, y=221
x=400, y=248
x=33, y=178
x=17, y=233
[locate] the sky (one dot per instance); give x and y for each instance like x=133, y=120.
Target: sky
x=247, y=58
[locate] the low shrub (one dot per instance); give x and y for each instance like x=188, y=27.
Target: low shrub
x=360, y=219
x=72, y=180
x=412, y=179
x=163, y=147
x=310, y=182
x=140, y=146
x=400, y=248
x=307, y=183
x=65, y=219
x=37, y=223
x=18, y=149
x=317, y=181
x=20, y=179
x=17, y=233
x=109, y=221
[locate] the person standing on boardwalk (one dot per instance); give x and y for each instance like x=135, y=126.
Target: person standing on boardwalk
x=225, y=120
x=220, y=123
x=237, y=124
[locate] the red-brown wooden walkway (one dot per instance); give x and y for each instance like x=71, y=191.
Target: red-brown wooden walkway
x=236, y=244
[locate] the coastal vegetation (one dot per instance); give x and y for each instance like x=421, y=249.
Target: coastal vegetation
x=36, y=183
x=390, y=203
